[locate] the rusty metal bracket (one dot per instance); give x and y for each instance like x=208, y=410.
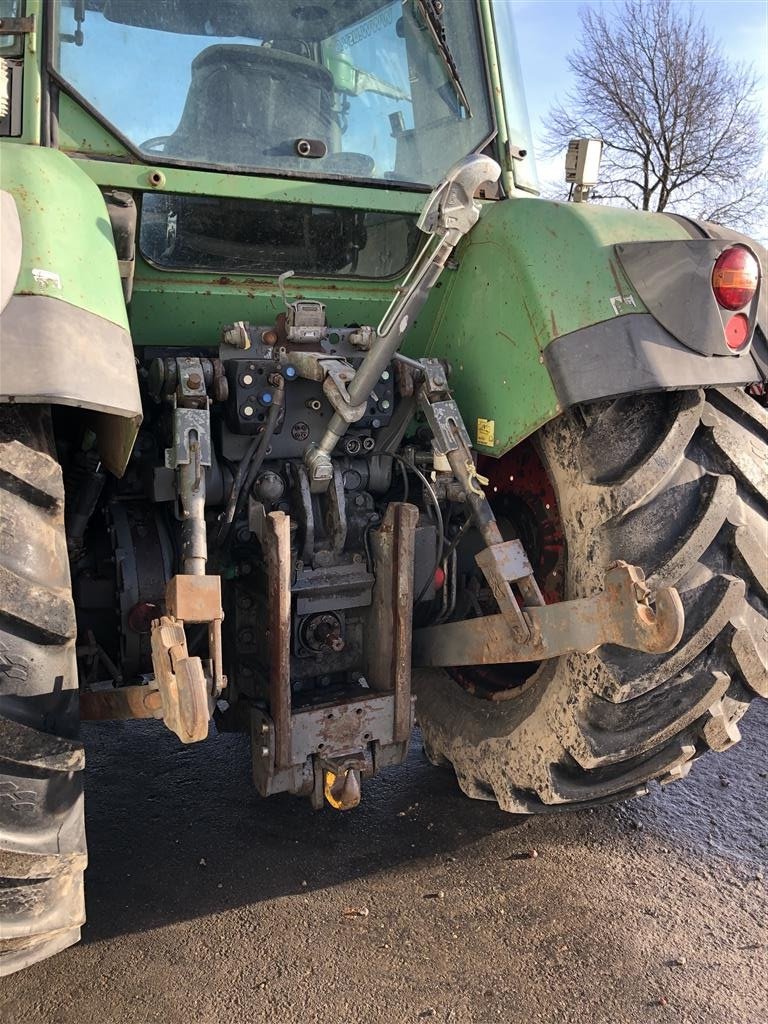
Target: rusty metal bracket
x=620, y=614
x=330, y=737
x=505, y=563
x=277, y=544
x=389, y=633
x=187, y=703
x=295, y=748
x=198, y=599
x=184, y=688
x=388, y=667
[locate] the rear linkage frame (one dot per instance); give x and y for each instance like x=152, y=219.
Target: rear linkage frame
x=323, y=752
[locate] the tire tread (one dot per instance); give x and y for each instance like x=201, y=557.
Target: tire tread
x=602, y=726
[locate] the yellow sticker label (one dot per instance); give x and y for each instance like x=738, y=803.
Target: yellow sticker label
x=486, y=432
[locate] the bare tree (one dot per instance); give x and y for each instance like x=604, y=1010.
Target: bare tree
x=680, y=124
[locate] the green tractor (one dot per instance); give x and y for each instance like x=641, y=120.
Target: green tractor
x=317, y=422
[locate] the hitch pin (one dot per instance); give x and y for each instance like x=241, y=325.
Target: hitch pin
x=342, y=791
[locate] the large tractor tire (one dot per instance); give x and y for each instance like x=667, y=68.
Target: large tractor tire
x=676, y=483
x=42, y=835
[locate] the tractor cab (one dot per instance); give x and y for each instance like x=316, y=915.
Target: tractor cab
x=366, y=92
x=373, y=90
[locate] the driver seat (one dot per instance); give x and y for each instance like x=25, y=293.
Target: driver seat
x=248, y=105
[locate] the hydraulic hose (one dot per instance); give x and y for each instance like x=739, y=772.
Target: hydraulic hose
x=449, y=213
x=252, y=461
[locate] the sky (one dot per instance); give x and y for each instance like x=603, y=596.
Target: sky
x=741, y=27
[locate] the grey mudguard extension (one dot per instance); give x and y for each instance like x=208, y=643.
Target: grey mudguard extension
x=634, y=353
x=673, y=278
x=57, y=353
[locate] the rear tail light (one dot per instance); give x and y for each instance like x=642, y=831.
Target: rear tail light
x=737, y=331
x=734, y=279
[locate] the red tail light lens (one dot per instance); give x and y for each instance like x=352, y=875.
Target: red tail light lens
x=735, y=277
x=736, y=331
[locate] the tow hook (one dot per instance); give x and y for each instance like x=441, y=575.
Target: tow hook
x=341, y=781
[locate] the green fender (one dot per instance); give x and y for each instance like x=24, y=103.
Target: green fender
x=539, y=299
x=64, y=336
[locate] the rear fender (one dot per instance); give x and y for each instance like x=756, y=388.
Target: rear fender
x=542, y=314
x=64, y=336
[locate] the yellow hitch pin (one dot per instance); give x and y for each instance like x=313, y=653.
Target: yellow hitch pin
x=342, y=791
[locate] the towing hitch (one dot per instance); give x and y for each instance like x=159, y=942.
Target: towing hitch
x=619, y=614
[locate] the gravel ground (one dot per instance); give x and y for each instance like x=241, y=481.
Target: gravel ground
x=208, y=904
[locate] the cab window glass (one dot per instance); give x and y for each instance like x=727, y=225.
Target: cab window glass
x=339, y=89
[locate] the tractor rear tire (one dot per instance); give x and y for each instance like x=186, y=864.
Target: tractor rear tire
x=42, y=833
x=676, y=483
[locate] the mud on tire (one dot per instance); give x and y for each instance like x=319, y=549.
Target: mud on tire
x=42, y=837
x=676, y=483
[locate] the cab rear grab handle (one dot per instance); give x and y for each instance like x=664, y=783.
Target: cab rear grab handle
x=619, y=614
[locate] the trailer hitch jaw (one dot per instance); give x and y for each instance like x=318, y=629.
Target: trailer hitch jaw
x=188, y=686
x=184, y=693
x=619, y=614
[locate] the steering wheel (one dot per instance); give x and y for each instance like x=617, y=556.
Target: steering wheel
x=156, y=144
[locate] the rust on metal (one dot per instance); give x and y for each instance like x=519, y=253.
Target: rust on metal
x=389, y=642
x=194, y=598
x=278, y=550
x=298, y=749
x=17, y=26
x=620, y=614
x=521, y=476
x=636, y=624
x=120, y=703
x=219, y=680
x=198, y=599
x=346, y=726
x=184, y=690
x=505, y=563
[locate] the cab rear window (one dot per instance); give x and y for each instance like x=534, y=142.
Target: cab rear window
x=255, y=237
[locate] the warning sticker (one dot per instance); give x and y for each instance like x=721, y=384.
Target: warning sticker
x=486, y=432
